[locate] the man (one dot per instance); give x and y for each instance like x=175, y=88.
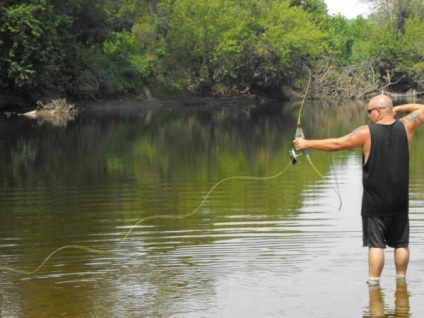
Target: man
x=385, y=146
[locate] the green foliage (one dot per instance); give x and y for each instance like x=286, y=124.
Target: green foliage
x=52, y=46
x=28, y=53
x=340, y=36
x=412, y=43
x=243, y=44
x=377, y=47
x=92, y=48
x=362, y=32
x=206, y=38
x=291, y=33
x=318, y=8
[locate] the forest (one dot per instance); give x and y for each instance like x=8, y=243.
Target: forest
x=91, y=49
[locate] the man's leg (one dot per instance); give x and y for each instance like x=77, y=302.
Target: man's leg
x=401, y=261
x=375, y=262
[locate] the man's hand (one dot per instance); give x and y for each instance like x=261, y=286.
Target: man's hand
x=300, y=144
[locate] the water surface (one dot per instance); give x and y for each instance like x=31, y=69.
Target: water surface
x=274, y=246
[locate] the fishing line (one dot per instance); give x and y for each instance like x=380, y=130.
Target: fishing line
x=80, y=247
x=153, y=217
x=292, y=154
x=176, y=217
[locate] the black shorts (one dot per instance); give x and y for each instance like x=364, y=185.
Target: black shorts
x=381, y=230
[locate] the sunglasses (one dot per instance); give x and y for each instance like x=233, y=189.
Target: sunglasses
x=370, y=110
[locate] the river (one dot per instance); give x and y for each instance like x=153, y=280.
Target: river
x=193, y=211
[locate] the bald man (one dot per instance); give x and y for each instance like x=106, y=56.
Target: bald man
x=385, y=146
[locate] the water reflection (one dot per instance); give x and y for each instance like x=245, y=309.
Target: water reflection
x=58, y=119
x=378, y=307
x=275, y=248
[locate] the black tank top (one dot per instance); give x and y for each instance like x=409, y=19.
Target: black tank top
x=385, y=176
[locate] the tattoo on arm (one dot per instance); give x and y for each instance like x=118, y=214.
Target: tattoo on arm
x=414, y=118
x=353, y=133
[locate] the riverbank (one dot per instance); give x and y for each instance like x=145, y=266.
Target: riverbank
x=130, y=103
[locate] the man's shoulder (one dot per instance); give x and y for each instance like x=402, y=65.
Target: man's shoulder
x=364, y=129
x=361, y=135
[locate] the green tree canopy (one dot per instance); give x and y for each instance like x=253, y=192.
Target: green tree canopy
x=95, y=48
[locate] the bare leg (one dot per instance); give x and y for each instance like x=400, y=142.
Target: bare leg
x=375, y=262
x=401, y=261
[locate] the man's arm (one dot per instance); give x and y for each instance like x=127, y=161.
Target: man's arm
x=407, y=108
x=413, y=120
x=415, y=115
x=356, y=139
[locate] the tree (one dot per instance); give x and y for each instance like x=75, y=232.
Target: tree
x=30, y=49
x=396, y=12
x=411, y=64
x=239, y=45
x=315, y=7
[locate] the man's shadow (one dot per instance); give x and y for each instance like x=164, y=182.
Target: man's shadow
x=377, y=306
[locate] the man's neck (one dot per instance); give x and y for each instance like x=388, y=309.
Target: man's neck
x=386, y=120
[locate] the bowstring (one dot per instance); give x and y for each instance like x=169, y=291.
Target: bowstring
x=304, y=97
x=299, y=133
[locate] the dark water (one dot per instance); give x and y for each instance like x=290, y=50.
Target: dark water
x=275, y=246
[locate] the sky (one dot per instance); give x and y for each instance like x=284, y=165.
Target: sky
x=349, y=8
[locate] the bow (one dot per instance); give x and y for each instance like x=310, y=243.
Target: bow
x=299, y=134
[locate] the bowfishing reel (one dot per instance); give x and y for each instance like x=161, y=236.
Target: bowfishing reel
x=292, y=152
x=293, y=156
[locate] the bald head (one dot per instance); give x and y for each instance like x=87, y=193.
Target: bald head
x=382, y=101
x=380, y=110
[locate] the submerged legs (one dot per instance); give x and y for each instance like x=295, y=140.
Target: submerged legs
x=376, y=262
